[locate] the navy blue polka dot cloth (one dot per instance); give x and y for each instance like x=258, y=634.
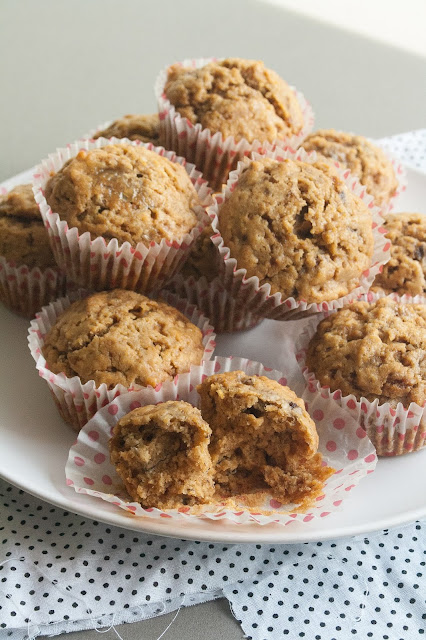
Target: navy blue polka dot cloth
x=60, y=572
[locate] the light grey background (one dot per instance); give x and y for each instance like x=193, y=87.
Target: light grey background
x=67, y=66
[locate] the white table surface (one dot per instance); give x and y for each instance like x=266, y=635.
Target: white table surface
x=68, y=66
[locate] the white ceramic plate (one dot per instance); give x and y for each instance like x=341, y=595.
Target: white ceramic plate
x=34, y=441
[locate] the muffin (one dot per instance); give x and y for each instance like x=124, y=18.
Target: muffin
x=405, y=273
x=363, y=159
x=375, y=351
x=371, y=359
x=124, y=192
x=215, y=111
x=143, y=127
x=161, y=454
x=120, y=214
x=122, y=337
x=263, y=440
x=297, y=227
x=29, y=276
x=235, y=97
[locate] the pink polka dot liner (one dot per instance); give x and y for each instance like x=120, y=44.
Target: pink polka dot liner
x=215, y=302
x=98, y=264
x=211, y=153
x=78, y=402
x=392, y=430
x=89, y=471
x=256, y=298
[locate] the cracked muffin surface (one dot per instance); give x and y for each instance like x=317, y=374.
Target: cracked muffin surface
x=236, y=97
x=126, y=192
x=263, y=440
x=375, y=351
x=143, y=127
x=366, y=161
x=161, y=454
x=297, y=227
x=23, y=237
x=405, y=273
x=122, y=337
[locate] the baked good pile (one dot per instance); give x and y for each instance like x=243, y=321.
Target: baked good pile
x=222, y=209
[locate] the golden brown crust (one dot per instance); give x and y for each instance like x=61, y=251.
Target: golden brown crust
x=297, y=227
x=366, y=161
x=125, y=192
x=263, y=440
x=143, y=127
x=161, y=454
x=375, y=351
x=23, y=238
x=122, y=337
x=406, y=270
x=236, y=97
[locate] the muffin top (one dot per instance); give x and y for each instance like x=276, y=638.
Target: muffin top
x=375, y=351
x=366, y=161
x=239, y=98
x=23, y=238
x=161, y=453
x=297, y=227
x=140, y=126
x=126, y=192
x=122, y=337
x=406, y=270
x=203, y=257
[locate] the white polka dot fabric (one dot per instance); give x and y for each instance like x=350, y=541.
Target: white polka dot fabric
x=60, y=572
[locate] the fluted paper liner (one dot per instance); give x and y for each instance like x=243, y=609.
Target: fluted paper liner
x=401, y=176
x=98, y=264
x=25, y=291
x=90, y=472
x=257, y=298
x=211, y=153
x=392, y=430
x=78, y=402
x=215, y=302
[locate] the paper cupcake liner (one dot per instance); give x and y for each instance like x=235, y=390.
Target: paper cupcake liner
x=78, y=402
x=256, y=298
x=211, y=153
x=401, y=176
x=392, y=430
x=89, y=470
x=25, y=291
x=98, y=264
x=215, y=302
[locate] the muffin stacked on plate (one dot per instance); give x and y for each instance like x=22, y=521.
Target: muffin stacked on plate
x=29, y=275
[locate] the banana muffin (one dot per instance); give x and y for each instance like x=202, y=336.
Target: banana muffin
x=23, y=238
x=366, y=161
x=263, y=440
x=126, y=192
x=373, y=350
x=405, y=273
x=122, y=337
x=236, y=97
x=161, y=454
x=297, y=227
x=144, y=127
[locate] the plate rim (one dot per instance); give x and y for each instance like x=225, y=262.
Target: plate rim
x=206, y=530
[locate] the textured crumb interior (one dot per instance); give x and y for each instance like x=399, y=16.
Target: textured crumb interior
x=263, y=440
x=161, y=454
